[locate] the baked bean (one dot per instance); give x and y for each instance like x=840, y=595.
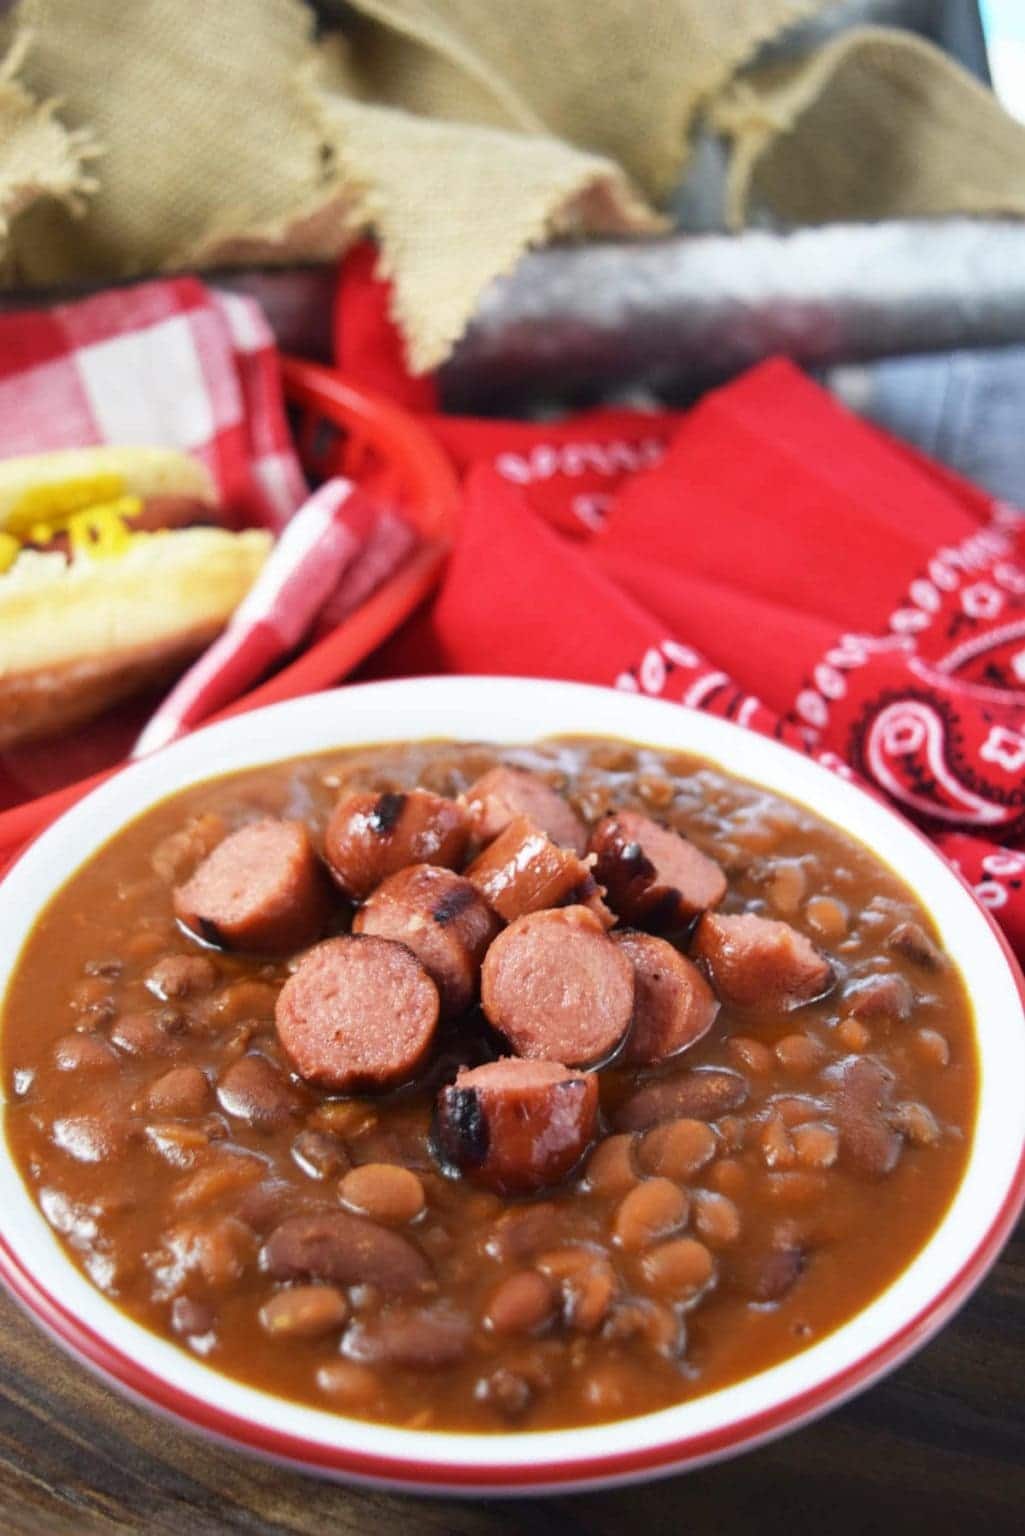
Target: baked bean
x=917, y=1123
x=732, y=1133
x=145, y=944
x=702, y=1093
x=181, y=1146
x=776, y=1146
x=588, y=1284
x=83, y=1052
x=716, y=1218
x=182, y=1091
x=658, y=1325
x=889, y=996
x=523, y=1231
x=415, y=1337
x=751, y=1055
x=932, y=1047
x=140, y=1034
x=190, y=1317
x=229, y=1174
x=252, y=1089
x=787, y=886
x=652, y=1210
x=354, y=1386
x=827, y=916
x=796, y=1108
x=769, y=1275
x=853, y=1035
x=384, y=1192
x=795, y=1187
x=912, y=941
x=178, y=854
x=610, y=1168
x=350, y=1250
x=815, y=1146
x=348, y=1118
x=178, y=976
x=92, y=995
x=799, y=1054
x=244, y=1000
x=655, y=790
x=319, y=1155
x=304, y=1312
x=214, y=1250
x=607, y=1388
x=728, y=1177
x=677, y=1149
x=678, y=1270
x=91, y=1138
x=523, y=1303
x=508, y=1391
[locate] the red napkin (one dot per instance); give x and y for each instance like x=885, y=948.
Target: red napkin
x=766, y=556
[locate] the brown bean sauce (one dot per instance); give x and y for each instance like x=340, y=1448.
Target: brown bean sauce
x=727, y=1220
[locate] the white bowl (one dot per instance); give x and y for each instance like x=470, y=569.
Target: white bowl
x=904, y=1316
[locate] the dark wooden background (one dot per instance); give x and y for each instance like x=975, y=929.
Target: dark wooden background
x=938, y=1448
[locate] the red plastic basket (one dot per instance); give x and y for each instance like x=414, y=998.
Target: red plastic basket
x=340, y=430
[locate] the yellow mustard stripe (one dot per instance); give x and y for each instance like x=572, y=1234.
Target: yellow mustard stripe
x=9, y=549
x=57, y=501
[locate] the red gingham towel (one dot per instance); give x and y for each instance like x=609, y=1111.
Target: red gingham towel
x=169, y=363
x=768, y=557
x=178, y=364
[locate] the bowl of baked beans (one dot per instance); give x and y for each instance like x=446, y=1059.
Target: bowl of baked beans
x=498, y=1085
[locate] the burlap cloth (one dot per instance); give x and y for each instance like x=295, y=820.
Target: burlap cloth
x=161, y=134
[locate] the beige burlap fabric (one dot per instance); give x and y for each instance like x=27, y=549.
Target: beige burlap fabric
x=164, y=134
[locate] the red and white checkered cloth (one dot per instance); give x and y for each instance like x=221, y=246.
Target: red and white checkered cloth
x=169, y=363
x=177, y=364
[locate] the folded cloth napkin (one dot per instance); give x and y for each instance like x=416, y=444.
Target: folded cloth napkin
x=771, y=558
x=178, y=364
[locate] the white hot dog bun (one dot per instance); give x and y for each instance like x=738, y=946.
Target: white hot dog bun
x=109, y=582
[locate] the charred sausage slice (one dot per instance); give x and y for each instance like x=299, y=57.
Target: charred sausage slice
x=443, y=919
x=673, y=1004
x=370, y=836
x=558, y=989
x=653, y=877
x=504, y=793
x=261, y=889
x=515, y=1125
x=759, y=960
x=358, y=1013
x=524, y=871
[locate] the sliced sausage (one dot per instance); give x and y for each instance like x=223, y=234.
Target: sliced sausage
x=673, y=1004
x=346, y=1249
x=443, y=919
x=516, y=1125
x=371, y=836
x=703, y=1093
x=524, y=871
x=261, y=889
x=359, y=1012
x=557, y=988
x=504, y=793
x=759, y=960
x=653, y=877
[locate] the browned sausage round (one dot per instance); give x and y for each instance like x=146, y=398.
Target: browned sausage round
x=442, y=918
x=653, y=877
x=755, y=959
x=673, y=1003
x=504, y=793
x=358, y=1013
x=261, y=889
x=558, y=989
x=372, y=836
x=524, y=871
x=516, y=1125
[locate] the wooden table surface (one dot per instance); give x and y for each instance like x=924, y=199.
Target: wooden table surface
x=938, y=1448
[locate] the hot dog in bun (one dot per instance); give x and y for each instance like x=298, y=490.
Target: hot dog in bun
x=113, y=575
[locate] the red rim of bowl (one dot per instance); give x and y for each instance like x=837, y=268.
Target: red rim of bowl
x=665, y=1457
